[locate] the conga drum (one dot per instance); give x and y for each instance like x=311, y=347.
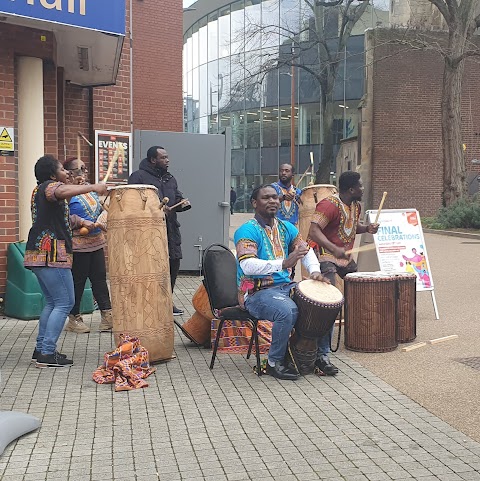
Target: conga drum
x=370, y=312
x=198, y=327
x=139, y=269
x=318, y=306
x=311, y=196
x=406, y=307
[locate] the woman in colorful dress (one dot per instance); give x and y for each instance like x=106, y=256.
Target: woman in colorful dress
x=88, y=254
x=49, y=254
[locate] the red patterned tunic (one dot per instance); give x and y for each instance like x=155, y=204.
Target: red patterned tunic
x=338, y=221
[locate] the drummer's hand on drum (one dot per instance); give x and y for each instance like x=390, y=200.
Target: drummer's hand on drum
x=317, y=276
x=298, y=253
x=100, y=188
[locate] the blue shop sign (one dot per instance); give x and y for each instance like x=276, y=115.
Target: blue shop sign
x=102, y=15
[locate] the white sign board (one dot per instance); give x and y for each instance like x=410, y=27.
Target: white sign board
x=400, y=245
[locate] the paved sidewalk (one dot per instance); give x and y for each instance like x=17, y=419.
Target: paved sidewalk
x=227, y=424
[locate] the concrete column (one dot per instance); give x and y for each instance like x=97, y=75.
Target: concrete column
x=30, y=133
x=302, y=126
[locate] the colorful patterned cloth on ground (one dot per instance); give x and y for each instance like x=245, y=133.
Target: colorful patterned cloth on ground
x=127, y=366
x=236, y=335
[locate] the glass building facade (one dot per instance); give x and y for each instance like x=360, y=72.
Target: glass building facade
x=233, y=76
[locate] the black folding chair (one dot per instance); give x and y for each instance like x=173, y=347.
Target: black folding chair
x=220, y=280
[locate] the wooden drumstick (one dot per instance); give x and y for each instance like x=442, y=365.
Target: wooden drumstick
x=178, y=204
x=312, y=175
x=303, y=175
x=85, y=139
x=79, y=148
x=164, y=202
x=366, y=247
x=116, y=155
x=380, y=207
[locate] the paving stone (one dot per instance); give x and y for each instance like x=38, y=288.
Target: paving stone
x=221, y=425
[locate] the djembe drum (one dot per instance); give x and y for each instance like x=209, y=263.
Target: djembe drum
x=318, y=306
x=311, y=196
x=198, y=327
x=139, y=269
x=406, y=307
x=370, y=312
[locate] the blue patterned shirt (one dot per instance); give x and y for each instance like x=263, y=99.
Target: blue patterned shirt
x=288, y=208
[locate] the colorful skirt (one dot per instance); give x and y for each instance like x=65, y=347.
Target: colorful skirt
x=235, y=336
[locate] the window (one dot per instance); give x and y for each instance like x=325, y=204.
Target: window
x=270, y=23
x=238, y=43
x=213, y=36
x=203, y=41
x=224, y=32
x=195, y=42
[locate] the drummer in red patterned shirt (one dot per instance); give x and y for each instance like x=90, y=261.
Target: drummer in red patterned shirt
x=332, y=233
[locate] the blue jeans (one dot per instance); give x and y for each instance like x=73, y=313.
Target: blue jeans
x=57, y=287
x=274, y=304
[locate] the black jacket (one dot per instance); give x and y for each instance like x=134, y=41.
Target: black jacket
x=167, y=187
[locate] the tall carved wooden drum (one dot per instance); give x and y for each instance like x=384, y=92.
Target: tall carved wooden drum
x=370, y=312
x=318, y=306
x=406, y=307
x=139, y=269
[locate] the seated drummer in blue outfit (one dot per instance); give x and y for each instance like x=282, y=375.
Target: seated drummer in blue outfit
x=267, y=250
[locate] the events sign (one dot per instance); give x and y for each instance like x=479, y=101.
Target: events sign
x=106, y=143
x=103, y=15
x=400, y=245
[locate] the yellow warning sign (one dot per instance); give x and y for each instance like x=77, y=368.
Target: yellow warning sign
x=6, y=139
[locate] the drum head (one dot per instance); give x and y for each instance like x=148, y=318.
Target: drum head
x=134, y=187
x=320, y=186
x=319, y=291
x=377, y=276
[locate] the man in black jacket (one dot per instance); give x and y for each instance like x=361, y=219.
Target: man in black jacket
x=153, y=170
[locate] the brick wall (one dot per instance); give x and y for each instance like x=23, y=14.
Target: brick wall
x=157, y=96
x=76, y=119
x=157, y=65
x=17, y=41
x=407, y=149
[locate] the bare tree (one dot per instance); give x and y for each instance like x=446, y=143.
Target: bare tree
x=330, y=58
x=462, y=18
x=324, y=28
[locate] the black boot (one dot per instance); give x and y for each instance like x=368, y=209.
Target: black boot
x=281, y=372
x=326, y=367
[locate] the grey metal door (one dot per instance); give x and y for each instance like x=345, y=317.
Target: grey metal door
x=201, y=165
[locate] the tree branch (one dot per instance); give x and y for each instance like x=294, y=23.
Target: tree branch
x=346, y=30
x=334, y=3
x=442, y=7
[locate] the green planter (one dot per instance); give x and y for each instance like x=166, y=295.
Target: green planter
x=23, y=296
